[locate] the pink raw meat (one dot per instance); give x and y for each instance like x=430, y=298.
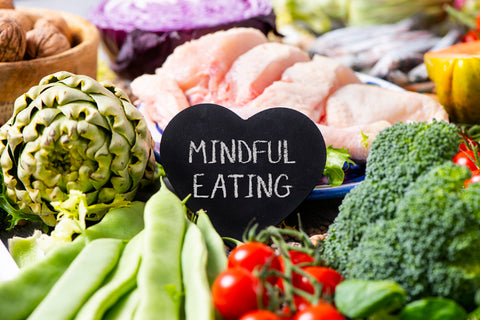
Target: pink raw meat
x=306, y=86
x=199, y=65
x=255, y=70
x=160, y=97
x=359, y=104
x=353, y=138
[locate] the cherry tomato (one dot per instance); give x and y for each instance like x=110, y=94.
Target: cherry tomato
x=470, y=35
x=328, y=277
x=300, y=304
x=235, y=292
x=296, y=257
x=471, y=143
x=473, y=179
x=251, y=255
x=465, y=158
x=322, y=311
x=260, y=315
x=254, y=255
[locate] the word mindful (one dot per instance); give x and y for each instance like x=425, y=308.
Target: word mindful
x=256, y=154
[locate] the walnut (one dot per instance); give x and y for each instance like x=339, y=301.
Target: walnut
x=12, y=40
x=45, y=40
x=59, y=22
x=22, y=17
x=7, y=4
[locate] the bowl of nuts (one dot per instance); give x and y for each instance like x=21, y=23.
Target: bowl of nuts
x=37, y=42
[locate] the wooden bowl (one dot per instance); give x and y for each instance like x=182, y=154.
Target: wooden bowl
x=16, y=78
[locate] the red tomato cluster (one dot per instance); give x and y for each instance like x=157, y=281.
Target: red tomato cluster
x=241, y=292
x=467, y=156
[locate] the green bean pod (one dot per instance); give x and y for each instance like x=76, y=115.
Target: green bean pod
x=80, y=280
x=160, y=276
x=125, y=308
x=120, y=223
x=198, y=297
x=217, y=257
x=19, y=296
x=122, y=280
x=22, y=294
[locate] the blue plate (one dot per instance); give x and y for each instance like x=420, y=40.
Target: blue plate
x=354, y=175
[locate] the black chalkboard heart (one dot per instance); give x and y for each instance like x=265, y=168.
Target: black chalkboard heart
x=237, y=170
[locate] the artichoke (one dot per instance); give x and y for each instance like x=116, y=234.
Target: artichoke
x=71, y=132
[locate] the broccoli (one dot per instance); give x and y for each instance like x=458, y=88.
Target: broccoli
x=398, y=156
x=431, y=245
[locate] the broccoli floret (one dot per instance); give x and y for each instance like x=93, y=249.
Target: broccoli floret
x=431, y=245
x=398, y=156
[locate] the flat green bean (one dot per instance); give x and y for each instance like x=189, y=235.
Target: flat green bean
x=125, y=308
x=217, y=257
x=159, y=277
x=21, y=295
x=119, y=223
x=122, y=280
x=198, y=297
x=80, y=280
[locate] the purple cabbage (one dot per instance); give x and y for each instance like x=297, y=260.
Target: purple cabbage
x=138, y=35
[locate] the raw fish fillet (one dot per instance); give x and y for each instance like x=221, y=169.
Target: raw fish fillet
x=199, y=65
x=359, y=104
x=352, y=138
x=160, y=96
x=306, y=86
x=255, y=70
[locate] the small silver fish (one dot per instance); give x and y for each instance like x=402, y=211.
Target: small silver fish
x=419, y=73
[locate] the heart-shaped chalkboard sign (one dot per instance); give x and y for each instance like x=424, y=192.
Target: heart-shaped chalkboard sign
x=238, y=170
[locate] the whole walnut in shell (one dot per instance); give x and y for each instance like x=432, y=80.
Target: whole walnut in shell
x=23, y=18
x=62, y=26
x=12, y=40
x=45, y=40
x=7, y=4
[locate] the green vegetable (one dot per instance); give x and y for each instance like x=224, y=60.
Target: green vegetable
x=429, y=246
x=198, y=298
x=361, y=299
x=366, y=12
x=80, y=280
x=22, y=294
x=122, y=280
x=309, y=15
x=125, y=308
x=412, y=221
x=398, y=156
x=433, y=309
x=72, y=133
x=216, y=257
x=26, y=251
x=120, y=223
x=320, y=16
x=336, y=159
x=160, y=275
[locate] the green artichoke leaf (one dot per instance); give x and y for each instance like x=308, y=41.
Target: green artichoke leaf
x=73, y=133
